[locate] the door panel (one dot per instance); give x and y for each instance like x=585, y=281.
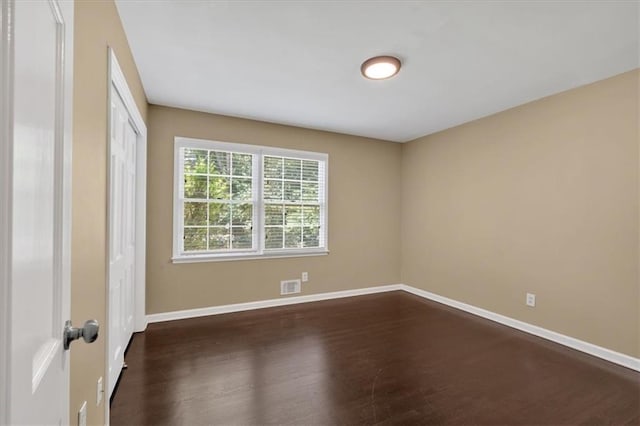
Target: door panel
x=130, y=234
x=38, y=390
x=122, y=235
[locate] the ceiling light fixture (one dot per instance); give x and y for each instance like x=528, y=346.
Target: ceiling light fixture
x=380, y=67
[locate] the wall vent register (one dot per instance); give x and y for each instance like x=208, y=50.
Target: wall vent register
x=290, y=287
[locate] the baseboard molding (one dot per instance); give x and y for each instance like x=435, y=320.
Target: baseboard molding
x=261, y=304
x=580, y=345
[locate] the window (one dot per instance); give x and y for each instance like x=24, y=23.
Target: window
x=234, y=201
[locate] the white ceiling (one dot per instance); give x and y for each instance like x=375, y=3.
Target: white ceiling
x=299, y=62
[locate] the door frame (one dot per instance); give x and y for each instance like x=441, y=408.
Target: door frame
x=6, y=185
x=118, y=81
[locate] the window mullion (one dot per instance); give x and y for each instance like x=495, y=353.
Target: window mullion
x=301, y=207
x=283, y=240
x=258, y=203
x=230, y=195
x=207, y=200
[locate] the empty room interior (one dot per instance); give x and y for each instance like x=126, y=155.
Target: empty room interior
x=354, y=212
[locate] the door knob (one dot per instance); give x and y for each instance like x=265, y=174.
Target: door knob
x=89, y=332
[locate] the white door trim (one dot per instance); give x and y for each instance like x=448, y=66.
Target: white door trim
x=117, y=79
x=6, y=183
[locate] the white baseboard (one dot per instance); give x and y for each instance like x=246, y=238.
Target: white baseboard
x=291, y=300
x=580, y=345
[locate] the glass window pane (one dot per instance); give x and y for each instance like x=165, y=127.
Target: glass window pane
x=309, y=191
x=219, y=238
x=219, y=188
x=242, y=238
x=273, y=167
x=273, y=214
x=241, y=188
x=241, y=214
x=195, y=239
x=292, y=191
x=242, y=165
x=311, y=215
x=195, y=214
x=195, y=160
x=292, y=169
x=310, y=170
x=219, y=194
x=273, y=237
x=272, y=190
x=195, y=186
x=218, y=163
x=219, y=214
x=293, y=237
x=293, y=215
x=311, y=236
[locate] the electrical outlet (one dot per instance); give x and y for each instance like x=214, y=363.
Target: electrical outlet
x=99, y=391
x=82, y=415
x=305, y=277
x=531, y=299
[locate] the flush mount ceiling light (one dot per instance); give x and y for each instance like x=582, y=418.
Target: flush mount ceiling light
x=380, y=67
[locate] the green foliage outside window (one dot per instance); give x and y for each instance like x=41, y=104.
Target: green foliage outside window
x=218, y=210
x=218, y=205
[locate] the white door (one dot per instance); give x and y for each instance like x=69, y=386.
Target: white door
x=122, y=233
x=35, y=198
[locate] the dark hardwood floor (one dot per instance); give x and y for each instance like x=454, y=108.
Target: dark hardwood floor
x=389, y=358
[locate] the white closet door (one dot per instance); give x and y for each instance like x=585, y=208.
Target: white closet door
x=121, y=235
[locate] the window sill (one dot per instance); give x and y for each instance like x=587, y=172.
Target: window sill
x=249, y=256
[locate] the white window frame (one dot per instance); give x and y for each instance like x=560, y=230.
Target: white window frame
x=258, y=251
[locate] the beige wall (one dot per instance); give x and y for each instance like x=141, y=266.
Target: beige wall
x=542, y=198
x=364, y=205
x=97, y=25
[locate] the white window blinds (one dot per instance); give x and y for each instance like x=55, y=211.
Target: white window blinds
x=293, y=197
